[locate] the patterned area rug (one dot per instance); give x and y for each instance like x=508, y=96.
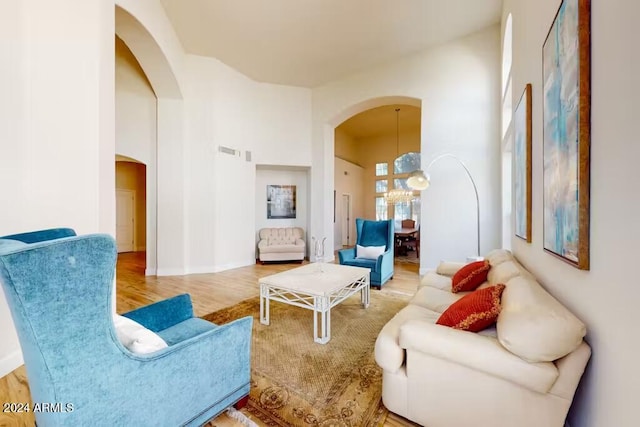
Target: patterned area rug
x=296, y=382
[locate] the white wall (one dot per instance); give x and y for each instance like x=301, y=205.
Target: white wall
x=274, y=175
x=225, y=108
x=57, y=123
x=458, y=84
x=606, y=297
x=349, y=179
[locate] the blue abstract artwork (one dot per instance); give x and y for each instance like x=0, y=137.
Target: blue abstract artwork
x=564, y=136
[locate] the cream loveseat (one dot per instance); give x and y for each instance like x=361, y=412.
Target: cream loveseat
x=521, y=372
x=281, y=244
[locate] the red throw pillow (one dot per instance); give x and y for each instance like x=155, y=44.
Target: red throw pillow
x=470, y=276
x=475, y=311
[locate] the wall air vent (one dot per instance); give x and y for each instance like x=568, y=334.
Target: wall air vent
x=227, y=150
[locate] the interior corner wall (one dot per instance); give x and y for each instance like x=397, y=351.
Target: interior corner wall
x=56, y=130
x=274, y=175
x=459, y=85
x=605, y=297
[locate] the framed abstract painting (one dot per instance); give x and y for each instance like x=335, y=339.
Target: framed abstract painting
x=522, y=165
x=566, y=133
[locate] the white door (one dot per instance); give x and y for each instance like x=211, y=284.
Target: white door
x=346, y=220
x=125, y=220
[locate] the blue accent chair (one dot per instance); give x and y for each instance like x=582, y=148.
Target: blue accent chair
x=372, y=233
x=60, y=295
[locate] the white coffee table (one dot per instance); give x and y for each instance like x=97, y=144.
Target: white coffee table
x=318, y=287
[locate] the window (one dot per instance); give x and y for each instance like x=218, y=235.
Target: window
x=382, y=186
x=382, y=169
x=381, y=209
x=400, y=183
x=407, y=210
x=406, y=163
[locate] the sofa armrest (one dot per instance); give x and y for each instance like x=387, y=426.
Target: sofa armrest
x=263, y=244
x=477, y=352
x=163, y=314
x=346, y=255
x=449, y=268
x=300, y=242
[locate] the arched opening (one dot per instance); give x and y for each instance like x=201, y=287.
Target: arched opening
x=374, y=147
x=149, y=113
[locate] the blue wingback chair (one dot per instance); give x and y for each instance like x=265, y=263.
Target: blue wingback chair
x=59, y=292
x=372, y=233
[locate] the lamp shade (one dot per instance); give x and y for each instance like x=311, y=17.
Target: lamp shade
x=418, y=180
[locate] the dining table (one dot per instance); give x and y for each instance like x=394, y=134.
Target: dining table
x=400, y=234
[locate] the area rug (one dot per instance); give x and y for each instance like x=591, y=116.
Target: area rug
x=297, y=382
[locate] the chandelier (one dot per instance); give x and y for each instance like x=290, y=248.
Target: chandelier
x=398, y=195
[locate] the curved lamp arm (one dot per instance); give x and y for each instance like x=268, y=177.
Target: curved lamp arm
x=475, y=188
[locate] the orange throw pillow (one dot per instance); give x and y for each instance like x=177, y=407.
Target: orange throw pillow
x=475, y=311
x=469, y=277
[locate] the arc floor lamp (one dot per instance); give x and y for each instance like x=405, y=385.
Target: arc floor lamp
x=419, y=180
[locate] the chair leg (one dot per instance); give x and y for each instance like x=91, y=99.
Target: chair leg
x=241, y=403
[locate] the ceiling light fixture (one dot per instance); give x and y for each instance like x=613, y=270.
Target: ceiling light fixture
x=398, y=195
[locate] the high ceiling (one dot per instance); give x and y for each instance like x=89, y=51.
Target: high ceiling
x=311, y=42
x=382, y=121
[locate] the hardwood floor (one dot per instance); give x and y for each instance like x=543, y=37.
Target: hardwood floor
x=209, y=292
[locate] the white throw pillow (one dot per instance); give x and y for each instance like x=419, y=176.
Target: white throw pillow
x=369, y=252
x=135, y=337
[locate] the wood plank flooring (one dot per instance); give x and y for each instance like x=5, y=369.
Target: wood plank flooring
x=209, y=292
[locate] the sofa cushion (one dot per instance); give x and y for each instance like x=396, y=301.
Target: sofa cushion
x=475, y=311
x=534, y=325
x=434, y=299
x=435, y=280
x=498, y=256
x=288, y=248
x=503, y=272
x=470, y=276
x=449, y=268
x=369, y=252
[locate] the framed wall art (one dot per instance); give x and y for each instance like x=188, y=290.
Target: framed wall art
x=522, y=165
x=566, y=133
x=281, y=201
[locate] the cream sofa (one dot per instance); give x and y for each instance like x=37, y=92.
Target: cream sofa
x=522, y=372
x=281, y=244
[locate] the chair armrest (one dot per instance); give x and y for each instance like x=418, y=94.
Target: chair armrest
x=346, y=255
x=385, y=261
x=215, y=364
x=449, y=268
x=163, y=314
x=478, y=352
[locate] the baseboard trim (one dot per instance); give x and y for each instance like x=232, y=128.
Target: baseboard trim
x=150, y=271
x=170, y=272
x=10, y=362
